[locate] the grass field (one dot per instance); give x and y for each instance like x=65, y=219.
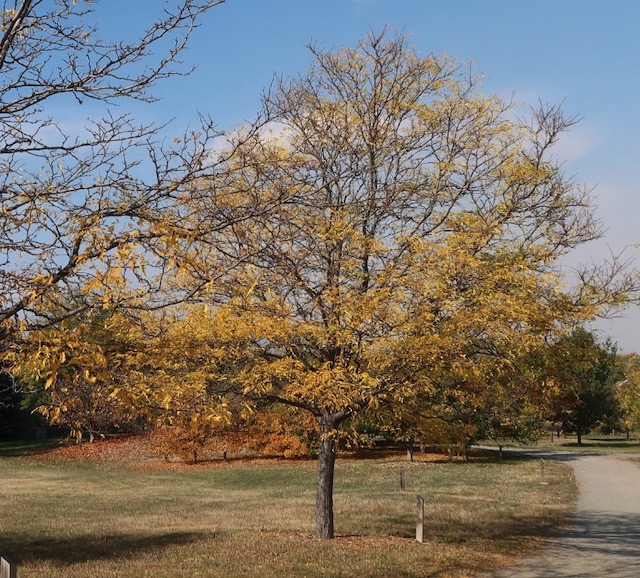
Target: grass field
x=76, y=518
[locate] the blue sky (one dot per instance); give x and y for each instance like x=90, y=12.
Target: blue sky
x=583, y=53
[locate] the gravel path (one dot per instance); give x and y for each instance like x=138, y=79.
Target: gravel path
x=604, y=540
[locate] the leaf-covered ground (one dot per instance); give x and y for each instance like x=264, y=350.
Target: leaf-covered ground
x=143, y=452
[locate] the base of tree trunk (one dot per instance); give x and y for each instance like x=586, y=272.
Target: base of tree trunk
x=324, y=490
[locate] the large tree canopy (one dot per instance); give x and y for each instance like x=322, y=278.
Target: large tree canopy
x=414, y=260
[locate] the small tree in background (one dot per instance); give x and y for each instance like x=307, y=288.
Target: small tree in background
x=627, y=391
x=585, y=373
x=70, y=371
x=17, y=419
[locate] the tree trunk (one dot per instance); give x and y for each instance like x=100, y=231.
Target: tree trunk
x=579, y=434
x=324, y=490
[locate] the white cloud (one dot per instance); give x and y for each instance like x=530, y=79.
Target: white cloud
x=576, y=144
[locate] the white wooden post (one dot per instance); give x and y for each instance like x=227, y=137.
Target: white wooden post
x=7, y=570
x=420, y=519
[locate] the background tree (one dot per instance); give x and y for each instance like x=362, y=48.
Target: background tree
x=70, y=372
x=585, y=373
x=17, y=419
x=414, y=259
x=490, y=403
x=627, y=391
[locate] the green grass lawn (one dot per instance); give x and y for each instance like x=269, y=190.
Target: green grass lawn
x=94, y=519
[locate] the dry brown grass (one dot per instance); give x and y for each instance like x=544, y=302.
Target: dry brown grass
x=72, y=518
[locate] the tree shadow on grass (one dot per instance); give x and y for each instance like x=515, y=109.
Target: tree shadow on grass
x=515, y=536
x=76, y=549
x=30, y=448
x=603, y=445
x=531, y=454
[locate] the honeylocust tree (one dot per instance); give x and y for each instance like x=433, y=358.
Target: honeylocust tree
x=83, y=183
x=415, y=259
